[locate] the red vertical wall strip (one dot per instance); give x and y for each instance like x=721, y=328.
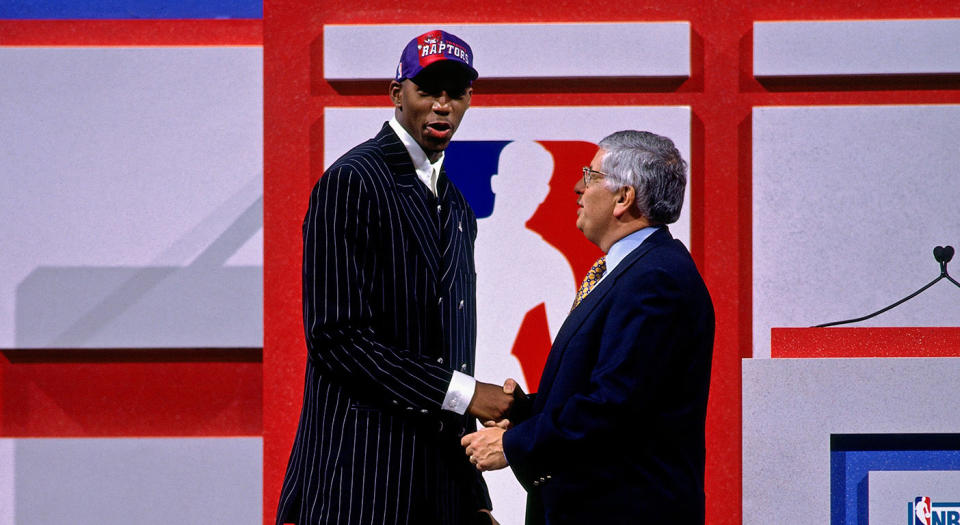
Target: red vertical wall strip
x=721, y=92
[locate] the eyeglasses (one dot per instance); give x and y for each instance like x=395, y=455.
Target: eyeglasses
x=591, y=174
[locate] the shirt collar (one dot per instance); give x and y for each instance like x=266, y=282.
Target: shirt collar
x=625, y=245
x=427, y=171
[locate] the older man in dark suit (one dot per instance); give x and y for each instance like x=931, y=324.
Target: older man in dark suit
x=389, y=315
x=615, y=433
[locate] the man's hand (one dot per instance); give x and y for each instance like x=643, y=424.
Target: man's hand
x=510, y=386
x=490, y=402
x=485, y=448
x=503, y=423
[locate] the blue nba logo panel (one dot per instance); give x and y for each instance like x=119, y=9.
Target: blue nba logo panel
x=854, y=456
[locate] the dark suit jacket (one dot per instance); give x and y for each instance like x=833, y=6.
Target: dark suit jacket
x=615, y=434
x=389, y=292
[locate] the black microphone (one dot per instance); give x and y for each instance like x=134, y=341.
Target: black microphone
x=943, y=254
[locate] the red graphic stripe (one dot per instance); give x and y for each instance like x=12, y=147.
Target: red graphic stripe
x=865, y=342
x=131, y=393
x=131, y=32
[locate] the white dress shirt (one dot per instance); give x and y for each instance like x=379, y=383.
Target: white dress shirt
x=624, y=246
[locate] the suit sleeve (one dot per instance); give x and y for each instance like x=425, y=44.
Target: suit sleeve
x=635, y=345
x=340, y=255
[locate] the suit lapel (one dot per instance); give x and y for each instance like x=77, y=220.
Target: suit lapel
x=414, y=202
x=580, y=314
x=452, y=231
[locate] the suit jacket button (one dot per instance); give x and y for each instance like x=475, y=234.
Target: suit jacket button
x=463, y=367
x=536, y=483
x=439, y=360
x=460, y=306
x=424, y=411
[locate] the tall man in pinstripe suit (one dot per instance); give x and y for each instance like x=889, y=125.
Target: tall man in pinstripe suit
x=389, y=315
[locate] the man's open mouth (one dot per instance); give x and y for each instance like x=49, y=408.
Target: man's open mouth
x=439, y=129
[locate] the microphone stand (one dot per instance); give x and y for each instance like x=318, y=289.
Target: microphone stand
x=942, y=254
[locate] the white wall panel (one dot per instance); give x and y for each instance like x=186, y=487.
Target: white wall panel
x=143, y=481
x=131, y=197
x=791, y=406
x=848, y=203
x=874, y=47
x=647, y=49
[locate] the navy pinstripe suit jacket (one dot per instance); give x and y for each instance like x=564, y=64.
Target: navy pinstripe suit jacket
x=615, y=433
x=389, y=312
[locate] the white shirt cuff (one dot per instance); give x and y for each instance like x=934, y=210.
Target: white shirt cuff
x=460, y=393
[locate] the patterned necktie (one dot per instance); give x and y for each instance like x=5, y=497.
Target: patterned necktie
x=593, y=276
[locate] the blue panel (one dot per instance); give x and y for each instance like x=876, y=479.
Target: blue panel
x=470, y=164
x=853, y=456
x=129, y=9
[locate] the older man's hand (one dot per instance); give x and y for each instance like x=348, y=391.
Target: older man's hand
x=485, y=448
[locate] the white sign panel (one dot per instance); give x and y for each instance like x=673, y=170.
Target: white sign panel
x=518, y=167
x=630, y=49
x=132, y=197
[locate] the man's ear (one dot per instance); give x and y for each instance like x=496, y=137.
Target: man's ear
x=395, y=89
x=626, y=198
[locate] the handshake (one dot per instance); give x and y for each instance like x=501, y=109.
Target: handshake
x=492, y=405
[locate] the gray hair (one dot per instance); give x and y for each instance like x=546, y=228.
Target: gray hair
x=651, y=165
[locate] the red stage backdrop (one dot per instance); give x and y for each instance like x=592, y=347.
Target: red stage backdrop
x=720, y=91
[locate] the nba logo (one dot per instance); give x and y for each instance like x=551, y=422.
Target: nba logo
x=921, y=511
